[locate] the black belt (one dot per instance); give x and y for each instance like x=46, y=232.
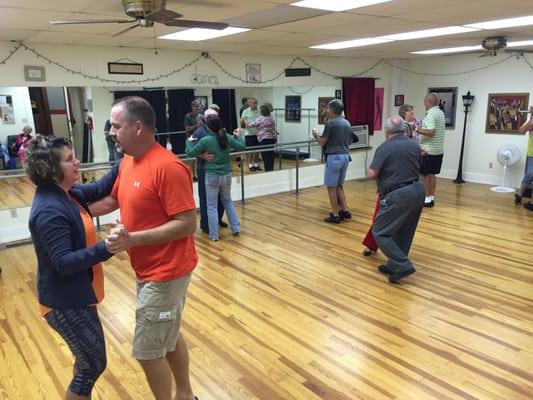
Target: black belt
x=401, y=185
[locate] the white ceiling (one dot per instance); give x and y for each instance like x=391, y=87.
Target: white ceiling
x=278, y=29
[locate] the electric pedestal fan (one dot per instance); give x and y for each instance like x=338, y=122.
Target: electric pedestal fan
x=508, y=155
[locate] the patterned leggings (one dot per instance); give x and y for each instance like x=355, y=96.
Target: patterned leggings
x=82, y=331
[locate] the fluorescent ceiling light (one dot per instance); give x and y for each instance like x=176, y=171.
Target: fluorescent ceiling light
x=337, y=5
x=503, y=23
x=449, y=30
x=520, y=44
x=449, y=50
x=351, y=43
x=198, y=34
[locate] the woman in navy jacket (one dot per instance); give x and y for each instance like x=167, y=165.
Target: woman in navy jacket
x=69, y=275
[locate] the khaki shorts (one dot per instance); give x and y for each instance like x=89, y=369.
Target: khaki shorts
x=158, y=317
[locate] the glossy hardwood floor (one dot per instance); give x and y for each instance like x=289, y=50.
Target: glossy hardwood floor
x=292, y=310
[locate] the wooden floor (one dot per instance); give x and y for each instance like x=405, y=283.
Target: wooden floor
x=18, y=192
x=292, y=310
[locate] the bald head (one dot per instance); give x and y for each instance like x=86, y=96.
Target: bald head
x=395, y=125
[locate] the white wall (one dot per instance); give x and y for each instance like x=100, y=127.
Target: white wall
x=512, y=76
x=21, y=110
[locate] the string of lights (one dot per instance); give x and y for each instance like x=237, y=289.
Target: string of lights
x=207, y=56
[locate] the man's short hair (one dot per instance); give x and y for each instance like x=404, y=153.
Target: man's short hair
x=137, y=109
x=433, y=98
x=336, y=106
x=396, y=124
x=244, y=100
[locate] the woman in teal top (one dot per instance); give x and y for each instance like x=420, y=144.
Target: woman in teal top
x=218, y=172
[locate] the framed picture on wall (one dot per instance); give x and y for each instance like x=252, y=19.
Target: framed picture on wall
x=503, y=112
x=338, y=94
x=293, y=105
x=7, y=111
x=398, y=100
x=323, y=109
x=447, y=103
x=253, y=73
x=203, y=102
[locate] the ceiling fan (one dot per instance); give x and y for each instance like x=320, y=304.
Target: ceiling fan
x=495, y=44
x=144, y=14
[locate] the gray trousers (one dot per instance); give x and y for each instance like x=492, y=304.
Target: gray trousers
x=395, y=224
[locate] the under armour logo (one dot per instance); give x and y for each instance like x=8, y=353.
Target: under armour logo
x=137, y=184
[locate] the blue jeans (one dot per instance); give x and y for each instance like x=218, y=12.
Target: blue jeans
x=200, y=172
x=215, y=184
x=335, y=171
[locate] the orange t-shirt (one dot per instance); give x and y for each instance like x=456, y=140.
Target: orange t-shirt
x=90, y=241
x=151, y=191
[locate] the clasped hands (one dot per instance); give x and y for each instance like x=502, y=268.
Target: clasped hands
x=118, y=238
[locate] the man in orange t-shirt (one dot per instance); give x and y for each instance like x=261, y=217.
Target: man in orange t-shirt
x=158, y=221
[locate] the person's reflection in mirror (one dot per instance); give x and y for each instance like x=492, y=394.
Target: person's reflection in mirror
x=112, y=147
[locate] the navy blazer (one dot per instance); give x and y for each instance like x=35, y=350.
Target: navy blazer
x=64, y=263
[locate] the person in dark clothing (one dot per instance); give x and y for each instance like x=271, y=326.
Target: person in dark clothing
x=69, y=256
x=396, y=166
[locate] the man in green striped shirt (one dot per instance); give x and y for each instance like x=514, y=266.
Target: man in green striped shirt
x=432, y=139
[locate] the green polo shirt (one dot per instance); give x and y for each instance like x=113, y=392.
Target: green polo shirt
x=434, y=119
x=251, y=116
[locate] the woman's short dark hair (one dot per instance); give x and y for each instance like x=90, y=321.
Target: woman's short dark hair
x=43, y=156
x=266, y=109
x=403, y=110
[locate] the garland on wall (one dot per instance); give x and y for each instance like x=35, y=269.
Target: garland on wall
x=207, y=56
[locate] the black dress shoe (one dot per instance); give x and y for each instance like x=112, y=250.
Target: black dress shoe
x=333, y=219
x=222, y=224
x=517, y=199
x=399, y=274
x=368, y=252
x=529, y=206
x=345, y=214
x=384, y=269
x=431, y=204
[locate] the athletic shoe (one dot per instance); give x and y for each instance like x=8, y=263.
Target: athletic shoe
x=431, y=204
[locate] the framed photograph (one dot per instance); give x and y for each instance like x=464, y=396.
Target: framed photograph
x=323, y=109
x=124, y=68
x=447, y=103
x=379, y=93
x=293, y=105
x=203, y=102
x=338, y=94
x=253, y=73
x=34, y=73
x=6, y=110
x=398, y=100
x=503, y=112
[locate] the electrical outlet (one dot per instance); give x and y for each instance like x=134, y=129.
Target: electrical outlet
x=491, y=165
x=14, y=213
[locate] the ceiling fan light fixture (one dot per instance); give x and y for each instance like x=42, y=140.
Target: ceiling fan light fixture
x=199, y=34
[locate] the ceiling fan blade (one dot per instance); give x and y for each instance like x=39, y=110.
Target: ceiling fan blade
x=184, y=23
x=90, y=21
x=162, y=15
x=129, y=28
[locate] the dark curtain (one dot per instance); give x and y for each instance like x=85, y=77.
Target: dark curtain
x=358, y=97
x=225, y=99
x=87, y=150
x=157, y=100
x=179, y=104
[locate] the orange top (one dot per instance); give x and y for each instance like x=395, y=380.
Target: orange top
x=90, y=241
x=151, y=191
